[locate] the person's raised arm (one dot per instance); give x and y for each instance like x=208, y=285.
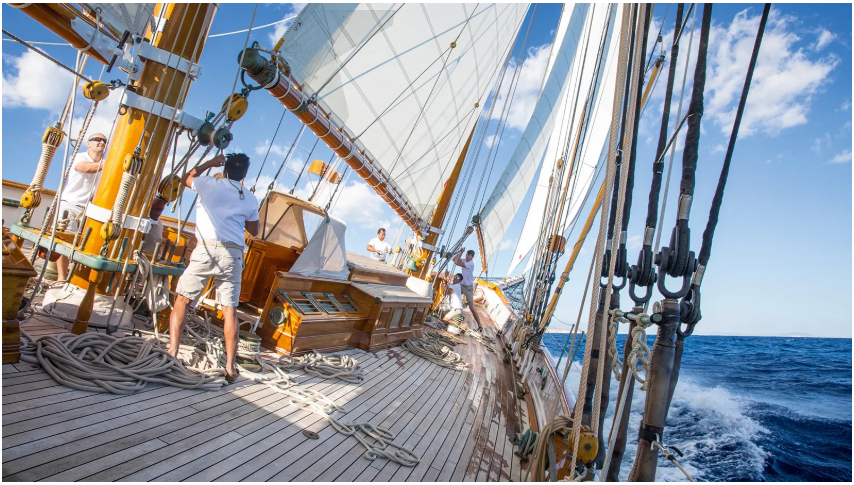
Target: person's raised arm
x=187, y=179
x=371, y=248
x=252, y=227
x=457, y=260
x=86, y=167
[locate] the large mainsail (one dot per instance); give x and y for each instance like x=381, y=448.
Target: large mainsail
x=566, y=127
x=510, y=189
x=405, y=81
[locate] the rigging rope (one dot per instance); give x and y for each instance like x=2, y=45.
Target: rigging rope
x=643, y=274
x=693, y=296
x=46, y=56
x=600, y=240
x=264, y=162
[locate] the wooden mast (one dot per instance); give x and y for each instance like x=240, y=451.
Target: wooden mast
x=442, y=206
x=186, y=26
x=57, y=18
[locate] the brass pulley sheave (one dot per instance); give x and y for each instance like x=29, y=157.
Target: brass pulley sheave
x=133, y=163
x=588, y=446
x=96, y=91
x=238, y=107
x=170, y=187
x=31, y=198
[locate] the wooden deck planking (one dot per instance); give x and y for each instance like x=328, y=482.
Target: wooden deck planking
x=166, y=459
x=335, y=443
x=347, y=442
x=353, y=463
x=297, y=446
x=457, y=422
x=433, y=436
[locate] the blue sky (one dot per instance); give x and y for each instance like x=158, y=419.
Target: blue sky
x=781, y=262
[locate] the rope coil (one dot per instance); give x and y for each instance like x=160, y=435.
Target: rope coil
x=439, y=354
x=613, y=325
x=638, y=358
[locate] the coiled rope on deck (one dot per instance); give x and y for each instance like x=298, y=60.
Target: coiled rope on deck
x=439, y=354
x=561, y=424
x=97, y=362
x=341, y=367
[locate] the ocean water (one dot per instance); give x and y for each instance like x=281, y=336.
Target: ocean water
x=751, y=409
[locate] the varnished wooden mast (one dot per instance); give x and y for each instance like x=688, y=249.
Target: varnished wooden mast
x=442, y=206
x=186, y=26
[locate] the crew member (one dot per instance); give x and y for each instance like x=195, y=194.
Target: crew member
x=467, y=284
x=78, y=190
x=455, y=315
x=225, y=211
x=378, y=247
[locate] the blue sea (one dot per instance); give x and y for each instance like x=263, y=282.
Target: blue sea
x=751, y=409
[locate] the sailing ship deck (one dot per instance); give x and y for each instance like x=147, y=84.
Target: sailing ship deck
x=459, y=422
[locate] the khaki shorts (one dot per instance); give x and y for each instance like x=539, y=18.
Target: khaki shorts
x=213, y=260
x=468, y=291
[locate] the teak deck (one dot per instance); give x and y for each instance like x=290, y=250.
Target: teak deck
x=459, y=423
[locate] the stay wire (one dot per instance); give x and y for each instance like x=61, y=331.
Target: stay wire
x=717, y=201
x=46, y=56
x=252, y=189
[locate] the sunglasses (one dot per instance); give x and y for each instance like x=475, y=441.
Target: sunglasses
x=97, y=139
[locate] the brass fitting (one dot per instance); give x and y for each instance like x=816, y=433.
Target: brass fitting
x=31, y=199
x=238, y=107
x=96, y=91
x=169, y=187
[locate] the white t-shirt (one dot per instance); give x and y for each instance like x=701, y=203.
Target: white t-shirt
x=456, y=297
x=468, y=272
x=79, y=184
x=381, y=246
x=221, y=215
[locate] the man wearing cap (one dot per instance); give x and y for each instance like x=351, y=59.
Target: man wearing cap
x=78, y=189
x=225, y=211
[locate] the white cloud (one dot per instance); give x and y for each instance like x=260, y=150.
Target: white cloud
x=279, y=29
x=490, y=140
x=822, y=143
x=527, y=88
x=506, y=244
x=719, y=148
x=634, y=242
x=261, y=149
x=843, y=157
x=35, y=82
x=784, y=81
x=359, y=204
x=825, y=37
x=846, y=105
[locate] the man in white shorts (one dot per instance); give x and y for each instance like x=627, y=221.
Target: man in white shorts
x=455, y=315
x=378, y=247
x=467, y=284
x=225, y=210
x=78, y=189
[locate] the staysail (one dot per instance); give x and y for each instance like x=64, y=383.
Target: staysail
x=510, y=189
x=594, y=135
x=405, y=81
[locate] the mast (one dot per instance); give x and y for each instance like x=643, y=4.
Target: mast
x=61, y=19
x=442, y=208
x=140, y=137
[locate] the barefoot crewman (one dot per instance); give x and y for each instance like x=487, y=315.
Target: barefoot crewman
x=225, y=211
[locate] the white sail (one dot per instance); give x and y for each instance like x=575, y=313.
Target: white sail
x=510, y=189
x=566, y=127
x=388, y=75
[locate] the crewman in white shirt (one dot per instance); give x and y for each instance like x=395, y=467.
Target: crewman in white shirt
x=78, y=189
x=467, y=284
x=378, y=247
x=225, y=211
x=455, y=315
